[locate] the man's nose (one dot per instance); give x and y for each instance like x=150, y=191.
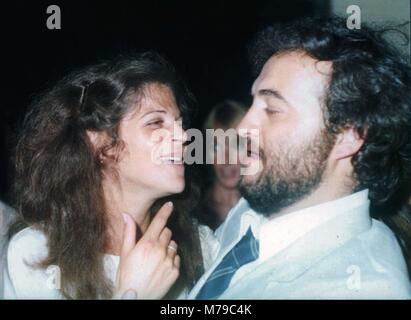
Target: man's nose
x=246, y=124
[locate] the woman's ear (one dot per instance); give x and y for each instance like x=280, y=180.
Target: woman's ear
x=97, y=140
x=347, y=144
x=100, y=142
x=94, y=137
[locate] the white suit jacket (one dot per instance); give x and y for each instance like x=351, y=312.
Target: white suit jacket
x=350, y=256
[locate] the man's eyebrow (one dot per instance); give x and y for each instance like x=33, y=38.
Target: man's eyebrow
x=272, y=93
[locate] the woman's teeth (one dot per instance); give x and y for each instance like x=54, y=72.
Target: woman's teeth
x=172, y=160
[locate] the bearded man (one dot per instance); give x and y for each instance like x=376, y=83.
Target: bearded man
x=332, y=107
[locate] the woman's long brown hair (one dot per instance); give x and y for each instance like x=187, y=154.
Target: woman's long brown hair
x=59, y=176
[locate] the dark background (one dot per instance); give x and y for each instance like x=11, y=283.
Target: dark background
x=206, y=40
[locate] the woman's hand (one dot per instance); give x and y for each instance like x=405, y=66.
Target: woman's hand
x=149, y=267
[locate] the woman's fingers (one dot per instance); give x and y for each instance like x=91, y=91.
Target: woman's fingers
x=172, y=250
x=159, y=221
x=155, y=254
x=173, y=273
x=177, y=262
x=165, y=237
x=129, y=235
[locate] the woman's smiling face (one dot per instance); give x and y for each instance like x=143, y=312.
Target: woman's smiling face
x=152, y=158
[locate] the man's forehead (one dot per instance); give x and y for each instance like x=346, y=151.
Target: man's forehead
x=289, y=68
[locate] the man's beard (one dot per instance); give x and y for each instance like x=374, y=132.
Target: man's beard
x=288, y=176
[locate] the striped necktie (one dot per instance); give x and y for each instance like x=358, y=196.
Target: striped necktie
x=245, y=251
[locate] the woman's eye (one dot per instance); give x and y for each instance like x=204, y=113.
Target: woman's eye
x=155, y=123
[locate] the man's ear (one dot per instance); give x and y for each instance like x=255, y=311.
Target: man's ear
x=347, y=144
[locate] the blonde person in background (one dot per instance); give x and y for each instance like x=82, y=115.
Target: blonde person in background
x=221, y=183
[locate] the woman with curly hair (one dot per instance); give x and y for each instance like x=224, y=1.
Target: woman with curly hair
x=99, y=154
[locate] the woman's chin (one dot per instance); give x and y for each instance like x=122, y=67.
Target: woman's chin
x=171, y=180
x=173, y=186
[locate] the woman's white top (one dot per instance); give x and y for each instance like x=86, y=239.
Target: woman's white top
x=23, y=281
x=6, y=217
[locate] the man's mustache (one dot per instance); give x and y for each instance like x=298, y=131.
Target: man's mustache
x=251, y=148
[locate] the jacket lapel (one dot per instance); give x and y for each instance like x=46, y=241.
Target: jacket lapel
x=302, y=254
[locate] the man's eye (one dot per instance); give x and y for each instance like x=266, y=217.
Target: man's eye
x=271, y=111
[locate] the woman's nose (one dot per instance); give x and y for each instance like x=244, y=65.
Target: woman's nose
x=179, y=134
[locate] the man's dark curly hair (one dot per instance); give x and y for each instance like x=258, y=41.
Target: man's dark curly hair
x=369, y=90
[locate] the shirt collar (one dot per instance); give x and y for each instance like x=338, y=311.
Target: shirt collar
x=279, y=232
x=238, y=220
